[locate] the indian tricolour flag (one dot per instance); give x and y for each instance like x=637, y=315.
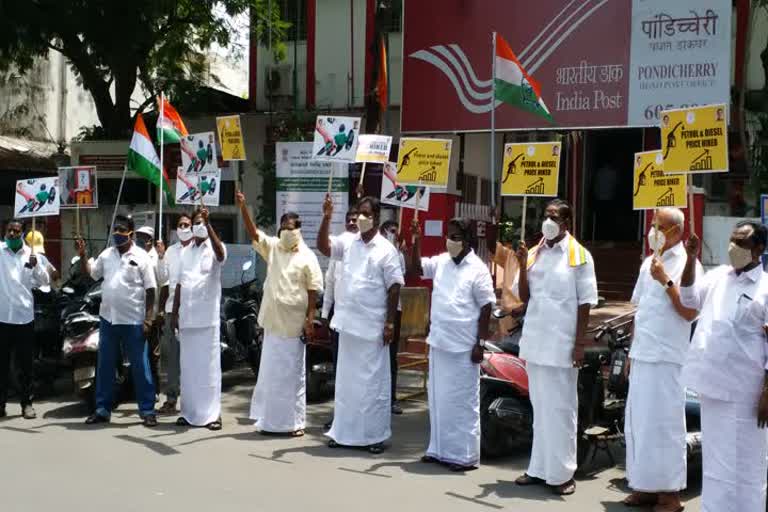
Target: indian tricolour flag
x=143, y=159
x=169, y=123
x=513, y=85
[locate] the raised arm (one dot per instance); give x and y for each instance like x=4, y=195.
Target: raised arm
x=522, y=281
x=218, y=247
x=323, y=235
x=414, y=262
x=689, y=273
x=250, y=226
x=660, y=275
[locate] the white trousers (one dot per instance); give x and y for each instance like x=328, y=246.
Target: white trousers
x=735, y=457
x=200, y=362
x=279, y=400
x=654, y=428
x=362, y=408
x=454, y=407
x=555, y=403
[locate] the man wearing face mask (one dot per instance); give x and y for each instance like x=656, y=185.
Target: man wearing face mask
x=655, y=413
x=557, y=282
x=20, y=272
x=366, y=308
x=462, y=298
x=127, y=306
x=726, y=365
x=293, y=281
x=389, y=231
x=196, y=306
x=332, y=286
x=168, y=270
x=145, y=239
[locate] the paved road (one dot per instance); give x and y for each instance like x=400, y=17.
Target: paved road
x=56, y=463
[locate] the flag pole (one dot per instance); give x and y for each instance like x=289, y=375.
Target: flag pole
x=162, y=173
x=493, y=122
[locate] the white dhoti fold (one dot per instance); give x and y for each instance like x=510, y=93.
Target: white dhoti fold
x=200, y=363
x=654, y=428
x=454, y=407
x=279, y=401
x=362, y=408
x=555, y=401
x=735, y=457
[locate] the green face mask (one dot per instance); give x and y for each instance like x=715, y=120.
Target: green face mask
x=14, y=244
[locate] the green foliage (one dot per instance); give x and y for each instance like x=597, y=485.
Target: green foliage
x=114, y=45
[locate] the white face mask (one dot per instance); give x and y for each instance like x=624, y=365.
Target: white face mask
x=392, y=237
x=184, y=234
x=290, y=238
x=453, y=247
x=656, y=239
x=550, y=229
x=200, y=231
x=739, y=256
x=365, y=224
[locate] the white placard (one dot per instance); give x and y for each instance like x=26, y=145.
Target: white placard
x=78, y=187
x=404, y=196
x=680, y=56
x=190, y=187
x=336, y=138
x=198, y=153
x=36, y=197
x=374, y=148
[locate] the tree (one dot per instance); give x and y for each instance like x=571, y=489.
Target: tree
x=115, y=45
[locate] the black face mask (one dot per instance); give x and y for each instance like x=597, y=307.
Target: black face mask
x=120, y=239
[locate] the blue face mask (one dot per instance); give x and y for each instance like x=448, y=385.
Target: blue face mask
x=120, y=239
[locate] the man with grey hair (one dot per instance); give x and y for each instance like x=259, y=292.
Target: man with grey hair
x=655, y=414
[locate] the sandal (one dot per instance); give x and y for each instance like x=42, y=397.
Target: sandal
x=298, y=433
x=458, y=468
x=640, y=499
x=376, y=448
x=565, y=489
x=182, y=422
x=333, y=444
x=527, y=479
x=167, y=408
x=428, y=459
x=214, y=425
x=662, y=508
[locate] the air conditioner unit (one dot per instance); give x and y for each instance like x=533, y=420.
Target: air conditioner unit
x=279, y=80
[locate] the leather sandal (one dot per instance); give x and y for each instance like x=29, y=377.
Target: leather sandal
x=640, y=499
x=527, y=479
x=565, y=489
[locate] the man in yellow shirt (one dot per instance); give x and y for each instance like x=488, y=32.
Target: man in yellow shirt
x=293, y=281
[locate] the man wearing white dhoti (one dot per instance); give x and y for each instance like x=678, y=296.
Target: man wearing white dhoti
x=196, y=305
x=366, y=307
x=557, y=282
x=462, y=298
x=654, y=425
x=726, y=365
x=287, y=308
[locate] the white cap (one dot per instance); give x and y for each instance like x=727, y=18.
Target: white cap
x=147, y=231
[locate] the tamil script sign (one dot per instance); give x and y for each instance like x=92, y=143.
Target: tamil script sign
x=599, y=62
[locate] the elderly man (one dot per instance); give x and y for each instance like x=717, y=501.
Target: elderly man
x=167, y=273
x=462, y=298
x=127, y=315
x=557, y=281
x=293, y=281
x=20, y=272
x=655, y=413
x=196, y=304
x=726, y=365
x=365, y=318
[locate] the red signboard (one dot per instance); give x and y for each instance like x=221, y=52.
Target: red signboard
x=447, y=58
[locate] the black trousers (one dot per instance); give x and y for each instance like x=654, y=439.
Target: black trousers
x=20, y=341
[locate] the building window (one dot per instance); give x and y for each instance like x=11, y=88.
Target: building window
x=295, y=13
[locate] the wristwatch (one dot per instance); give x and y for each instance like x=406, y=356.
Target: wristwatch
x=670, y=284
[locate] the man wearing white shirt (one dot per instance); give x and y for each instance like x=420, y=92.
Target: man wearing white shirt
x=127, y=309
x=365, y=318
x=196, y=307
x=462, y=298
x=167, y=275
x=654, y=424
x=726, y=365
x=390, y=230
x=332, y=286
x=145, y=239
x=20, y=272
x=557, y=282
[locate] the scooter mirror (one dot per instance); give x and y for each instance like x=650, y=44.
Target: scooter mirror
x=68, y=290
x=247, y=265
x=74, y=260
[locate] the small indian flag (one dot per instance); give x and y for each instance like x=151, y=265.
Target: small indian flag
x=513, y=85
x=143, y=159
x=169, y=123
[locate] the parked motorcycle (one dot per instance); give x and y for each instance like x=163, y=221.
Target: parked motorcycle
x=320, y=370
x=241, y=336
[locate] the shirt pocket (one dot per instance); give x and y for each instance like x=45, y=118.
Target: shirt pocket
x=131, y=273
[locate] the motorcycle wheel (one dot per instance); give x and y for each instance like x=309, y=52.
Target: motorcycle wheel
x=88, y=396
x=254, y=358
x=494, y=441
x=315, y=385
